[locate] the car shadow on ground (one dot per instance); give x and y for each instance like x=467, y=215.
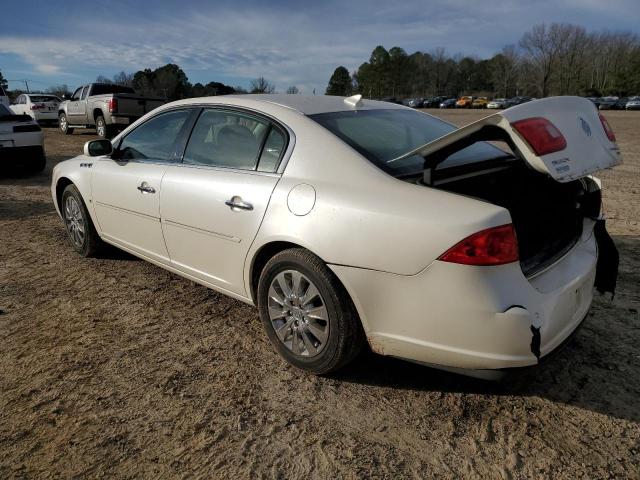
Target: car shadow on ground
x=597, y=370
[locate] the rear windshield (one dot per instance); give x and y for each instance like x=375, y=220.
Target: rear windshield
x=4, y=110
x=103, y=89
x=44, y=98
x=382, y=135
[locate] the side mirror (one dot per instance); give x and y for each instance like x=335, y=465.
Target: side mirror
x=98, y=148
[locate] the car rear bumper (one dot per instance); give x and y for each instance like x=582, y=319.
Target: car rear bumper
x=21, y=155
x=45, y=116
x=468, y=317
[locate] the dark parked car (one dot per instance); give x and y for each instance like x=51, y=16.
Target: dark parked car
x=607, y=103
x=448, y=103
x=415, y=102
x=518, y=100
x=621, y=104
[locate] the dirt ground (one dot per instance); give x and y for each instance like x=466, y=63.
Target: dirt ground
x=113, y=368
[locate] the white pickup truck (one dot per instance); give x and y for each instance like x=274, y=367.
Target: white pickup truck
x=105, y=107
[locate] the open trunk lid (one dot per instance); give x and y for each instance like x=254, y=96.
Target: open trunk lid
x=587, y=146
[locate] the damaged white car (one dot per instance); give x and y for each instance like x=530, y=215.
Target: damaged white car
x=348, y=221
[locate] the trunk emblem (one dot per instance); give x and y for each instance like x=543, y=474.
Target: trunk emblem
x=585, y=126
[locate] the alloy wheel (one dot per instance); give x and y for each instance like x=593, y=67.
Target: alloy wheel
x=298, y=313
x=75, y=221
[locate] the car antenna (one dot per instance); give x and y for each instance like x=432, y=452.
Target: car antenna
x=354, y=101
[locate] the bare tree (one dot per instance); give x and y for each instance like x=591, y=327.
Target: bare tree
x=293, y=90
x=541, y=45
x=261, y=85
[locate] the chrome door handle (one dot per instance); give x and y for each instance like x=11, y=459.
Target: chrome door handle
x=144, y=187
x=236, y=203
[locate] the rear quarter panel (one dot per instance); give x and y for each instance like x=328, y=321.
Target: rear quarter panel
x=363, y=217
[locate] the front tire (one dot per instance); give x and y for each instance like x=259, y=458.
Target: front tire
x=63, y=123
x=80, y=230
x=307, y=314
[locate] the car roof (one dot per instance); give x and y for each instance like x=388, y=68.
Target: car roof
x=312, y=104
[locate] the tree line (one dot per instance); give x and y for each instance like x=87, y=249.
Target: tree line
x=168, y=81
x=555, y=59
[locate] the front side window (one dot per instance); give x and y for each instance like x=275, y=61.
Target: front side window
x=226, y=139
x=155, y=139
x=85, y=90
x=76, y=94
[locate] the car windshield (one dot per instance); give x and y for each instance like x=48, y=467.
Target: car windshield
x=4, y=111
x=44, y=98
x=382, y=135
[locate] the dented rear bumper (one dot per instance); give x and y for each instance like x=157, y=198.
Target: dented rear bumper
x=467, y=317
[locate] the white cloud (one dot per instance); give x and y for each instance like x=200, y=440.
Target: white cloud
x=289, y=46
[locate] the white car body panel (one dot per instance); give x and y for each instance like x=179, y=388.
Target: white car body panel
x=477, y=324
x=588, y=148
x=203, y=235
x=48, y=113
x=380, y=236
x=125, y=215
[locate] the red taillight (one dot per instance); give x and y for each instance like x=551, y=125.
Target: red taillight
x=37, y=106
x=541, y=134
x=493, y=246
x=113, y=105
x=607, y=128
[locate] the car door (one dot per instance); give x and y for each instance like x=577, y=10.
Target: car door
x=212, y=203
x=126, y=186
x=73, y=106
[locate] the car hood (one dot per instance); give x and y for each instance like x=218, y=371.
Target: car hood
x=588, y=149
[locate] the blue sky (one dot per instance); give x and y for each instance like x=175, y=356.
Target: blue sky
x=290, y=43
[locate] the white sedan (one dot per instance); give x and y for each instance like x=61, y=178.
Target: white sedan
x=349, y=221
x=21, y=141
x=41, y=107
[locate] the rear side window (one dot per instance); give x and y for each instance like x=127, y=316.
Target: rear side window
x=226, y=139
x=155, y=139
x=44, y=98
x=272, y=151
x=103, y=89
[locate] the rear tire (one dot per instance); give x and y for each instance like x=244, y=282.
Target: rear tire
x=63, y=123
x=82, y=234
x=102, y=129
x=307, y=314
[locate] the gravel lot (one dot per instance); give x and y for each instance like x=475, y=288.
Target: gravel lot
x=112, y=367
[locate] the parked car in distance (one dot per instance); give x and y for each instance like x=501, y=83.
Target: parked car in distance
x=4, y=99
x=256, y=196
x=415, y=102
x=105, y=107
x=464, y=102
x=448, y=103
x=633, y=103
x=39, y=106
x=480, y=102
x=518, y=101
x=497, y=103
x=607, y=103
x=620, y=104
x=21, y=141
